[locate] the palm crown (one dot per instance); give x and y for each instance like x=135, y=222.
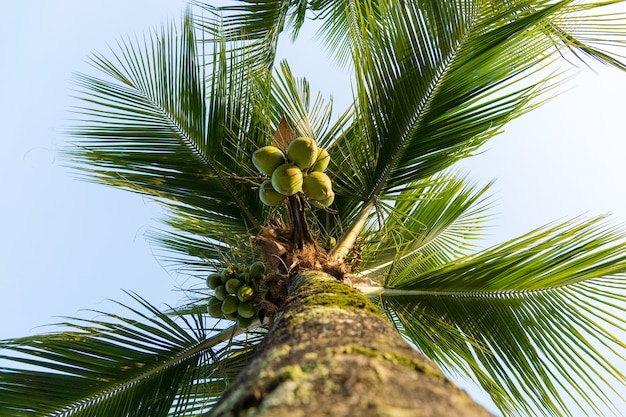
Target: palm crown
x=177, y=116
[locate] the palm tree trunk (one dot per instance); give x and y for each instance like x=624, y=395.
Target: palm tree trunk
x=330, y=353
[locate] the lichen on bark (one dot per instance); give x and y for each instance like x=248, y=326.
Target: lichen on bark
x=328, y=353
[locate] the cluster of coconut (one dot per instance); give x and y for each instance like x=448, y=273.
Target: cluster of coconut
x=233, y=289
x=300, y=171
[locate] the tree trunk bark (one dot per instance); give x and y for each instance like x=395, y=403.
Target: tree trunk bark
x=330, y=353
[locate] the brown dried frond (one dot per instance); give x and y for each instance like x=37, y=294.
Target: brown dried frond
x=286, y=259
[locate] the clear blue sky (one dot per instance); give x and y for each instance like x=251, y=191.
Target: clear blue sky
x=68, y=245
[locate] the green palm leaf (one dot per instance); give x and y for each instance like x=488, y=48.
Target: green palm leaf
x=259, y=22
x=155, y=127
x=567, y=253
x=254, y=26
x=291, y=98
x=534, y=316
x=430, y=223
x=148, y=365
x=434, y=81
x=429, y=96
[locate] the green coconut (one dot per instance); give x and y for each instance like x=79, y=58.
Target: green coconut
x=220, y=292
x=287, y=179
x=322, y=161
x=213, y=280
x=232, y=285
x=325, y=203
x=317, y=186
x=269, y=196
x=267, y=159
x=246, y=310
x=229, y=273
x=230, y=304
x=215, y=307
x=257, y=270
x=244, y=322
x=302, y=151
x=244, y=277
x=232, y=316
x=245, y=293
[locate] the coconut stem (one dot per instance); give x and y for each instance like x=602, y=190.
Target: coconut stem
x=299, y=227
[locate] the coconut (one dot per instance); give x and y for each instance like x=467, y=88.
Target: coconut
x=317, y=186
x=244, y=322
x=257, y=270
x=302, y=151
x=230, y=304
x=287, y=179
x=323, y=159
x=244, y=277
x=228, y=273
x=232, y=316
x=213, y=280
x=269, y=196
x=220, y=292
x=245, y=293
x=246, y=310
x=267, y=159
x=325, y=202
x=232, y=285
x=215, y=308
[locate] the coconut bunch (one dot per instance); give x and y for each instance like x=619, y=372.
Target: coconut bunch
x=233, y=289
x=300, y=171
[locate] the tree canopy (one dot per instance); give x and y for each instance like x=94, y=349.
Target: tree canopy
x=176, y=115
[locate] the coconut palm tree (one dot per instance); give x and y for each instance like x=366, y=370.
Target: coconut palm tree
x=364, y=305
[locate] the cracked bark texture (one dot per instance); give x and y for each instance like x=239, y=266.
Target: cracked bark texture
x=329, y=353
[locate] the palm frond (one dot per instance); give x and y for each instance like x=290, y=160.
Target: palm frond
x=430, y=223
x=192, y=257
x=292, y=98
x=578, y=33
x=436, y=80
x=428, y=95
x=150, y=364
x=554, y=255
x=156, y=128
x=253, y=26
x=537, y=317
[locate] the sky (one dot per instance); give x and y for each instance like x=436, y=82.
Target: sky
x=69, y=245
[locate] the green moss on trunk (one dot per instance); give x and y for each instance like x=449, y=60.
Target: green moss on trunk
x=330, y=353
